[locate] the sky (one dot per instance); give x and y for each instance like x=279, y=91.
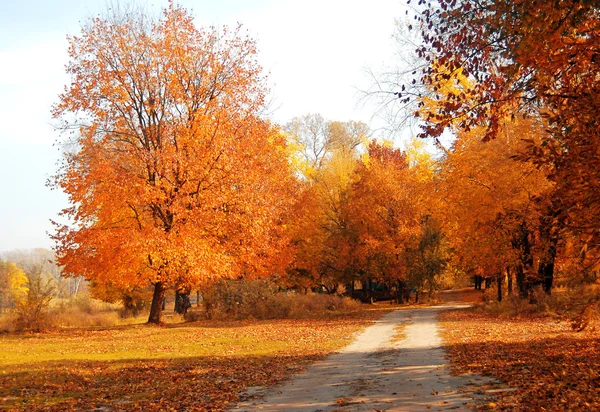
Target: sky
x=315, y=52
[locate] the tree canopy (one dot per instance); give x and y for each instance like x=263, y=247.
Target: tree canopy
x=172, y=174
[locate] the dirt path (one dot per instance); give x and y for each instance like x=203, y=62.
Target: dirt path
x=379, y=372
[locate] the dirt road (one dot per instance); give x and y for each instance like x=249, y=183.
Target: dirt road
x=381, y=371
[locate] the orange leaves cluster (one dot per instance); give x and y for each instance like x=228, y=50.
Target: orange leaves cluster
x=173, y=176
x=524, y=58
x=358, y=216
x=384, y=210
x=545, y=363
x=487, y=194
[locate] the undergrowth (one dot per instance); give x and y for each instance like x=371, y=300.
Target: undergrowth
x=579, y=304
x=262, y=299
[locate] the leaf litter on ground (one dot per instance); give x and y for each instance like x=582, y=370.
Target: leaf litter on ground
x=546, y=365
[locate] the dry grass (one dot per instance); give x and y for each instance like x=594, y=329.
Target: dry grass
x=465, y=295
x=81, y=312
x=262, y=299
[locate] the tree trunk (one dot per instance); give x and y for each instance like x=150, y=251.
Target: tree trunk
x=521, y=284
x=488, y=283
x=546, y=270
x=509, y=287
x=77, y=283
x=499, y=280
x=549, y=235
x=400, y=292
x=521, y=243
x=182, y=302
x=158, y=298
x=198, y=298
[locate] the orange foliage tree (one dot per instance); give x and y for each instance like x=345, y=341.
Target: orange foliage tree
x=319, y=228
x=325, y=156
x=172, y=175
x=384, y=213
x=493, y=205
x=539, y=58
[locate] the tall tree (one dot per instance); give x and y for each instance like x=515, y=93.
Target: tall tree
x=316, y=140
x=310, y=134
x=384, y=212
x=539, y=58
x=326, y=154
x=172, y=175
x=493, y=204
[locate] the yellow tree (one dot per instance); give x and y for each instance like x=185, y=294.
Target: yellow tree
x=325, y=155
x=172, y=175
x=319, y=229
x=13, y=285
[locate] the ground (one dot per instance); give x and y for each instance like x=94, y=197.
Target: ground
x=197, y=366
x=397, y=364
x=547, y=365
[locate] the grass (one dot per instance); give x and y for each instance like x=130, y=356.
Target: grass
x=197, y=366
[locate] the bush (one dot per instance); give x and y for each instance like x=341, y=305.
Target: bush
x=564, y=303
x=32, y=313
x=511, y=306
x=262, y=299
x=453, y=278
x=7, y=322
x=135, y=300
x=490, y=294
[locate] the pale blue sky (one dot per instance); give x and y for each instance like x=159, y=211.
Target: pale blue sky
x=315, y=51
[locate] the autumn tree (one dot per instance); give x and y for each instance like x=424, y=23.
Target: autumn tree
x=317, y=139
x=172, y=175
x=319, y=228
x=426, y=257
x=326, y=154
x=533, y=58
x=310, y=135
x=495, y=206
x=42, y=262
x=13, y=285
x=383, y=212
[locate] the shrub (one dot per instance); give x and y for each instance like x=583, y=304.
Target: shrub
x=261, y=299
x=135, y=300
x=511, y=306
x=32, y=313
x=7, y=322
x=563, y=303
x=490, y=294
